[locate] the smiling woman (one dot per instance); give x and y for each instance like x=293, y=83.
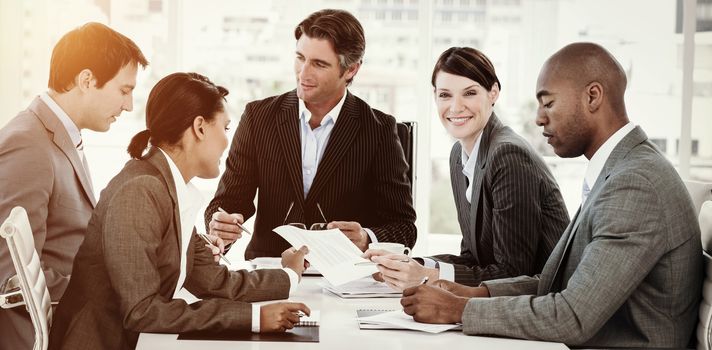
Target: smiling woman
x=509, y=207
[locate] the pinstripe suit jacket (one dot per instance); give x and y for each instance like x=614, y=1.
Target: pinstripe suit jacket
x=626, y=273
x=361, y=177
x=127, y=268
x=517, y=214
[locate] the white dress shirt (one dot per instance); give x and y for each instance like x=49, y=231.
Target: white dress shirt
x=72, y=129
x=468, y=165
x=189, y=201
x=68, y=123
x=595, y=165
x=314, y=143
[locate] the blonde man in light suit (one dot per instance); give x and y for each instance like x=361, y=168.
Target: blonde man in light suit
x=92, y=74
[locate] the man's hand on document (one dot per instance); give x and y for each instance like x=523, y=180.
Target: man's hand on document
x=430, y=304
x=353, y=232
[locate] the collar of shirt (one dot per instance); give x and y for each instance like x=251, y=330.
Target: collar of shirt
x=468, y=165
x=187, y=193
x=469, y=162
x=595, y=165
x=333, y=113
x=69, y=125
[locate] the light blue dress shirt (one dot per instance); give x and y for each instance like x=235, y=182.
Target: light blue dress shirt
x=314, y=143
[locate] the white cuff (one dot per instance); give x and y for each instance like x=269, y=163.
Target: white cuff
x=371, y=235
x=255, y=318
x=429, y=263
x=447, y=271
x=293, y=280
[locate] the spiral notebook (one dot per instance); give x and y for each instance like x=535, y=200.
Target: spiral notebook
x=307, y=330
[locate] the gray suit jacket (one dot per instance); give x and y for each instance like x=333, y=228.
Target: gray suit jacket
x=626, y=273
x=126, y=270
x=41, y=171
x=517, y=214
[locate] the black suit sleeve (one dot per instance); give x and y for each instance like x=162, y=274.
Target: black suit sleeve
x=238, y=184
x=392, y=196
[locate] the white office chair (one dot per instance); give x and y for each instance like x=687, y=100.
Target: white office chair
x=701, y=194
x=18, y=234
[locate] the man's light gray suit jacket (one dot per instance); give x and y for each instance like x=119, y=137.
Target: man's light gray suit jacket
x=627, y=271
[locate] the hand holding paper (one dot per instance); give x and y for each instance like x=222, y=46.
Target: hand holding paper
x=330, y=252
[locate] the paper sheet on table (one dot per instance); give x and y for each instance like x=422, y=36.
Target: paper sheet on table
x=276, y=263
x=330, y=252
x=365, y=287
x=399, y=319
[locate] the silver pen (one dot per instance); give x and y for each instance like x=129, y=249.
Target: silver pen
x=235, y=222
x=207, y=240
x=321, y=212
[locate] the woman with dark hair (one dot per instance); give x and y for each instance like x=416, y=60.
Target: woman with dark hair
x=509, y=207
x=141, y=246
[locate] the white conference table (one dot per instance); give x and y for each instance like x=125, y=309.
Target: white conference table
x=339, y=330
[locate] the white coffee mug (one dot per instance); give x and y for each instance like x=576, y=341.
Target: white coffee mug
x=395, y=248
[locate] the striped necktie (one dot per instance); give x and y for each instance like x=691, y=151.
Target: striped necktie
x=80, y=151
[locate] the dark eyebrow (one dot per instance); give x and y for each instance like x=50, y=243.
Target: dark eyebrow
x=323, y=62
x=467, y=88
x=315, y=60
x=541, y=94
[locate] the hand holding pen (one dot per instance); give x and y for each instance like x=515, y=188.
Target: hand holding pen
x=227, y=226
x=212, y=245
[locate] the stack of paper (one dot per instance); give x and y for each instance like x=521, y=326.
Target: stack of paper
x=398, y=319
x=365, y=287
x=276, y=263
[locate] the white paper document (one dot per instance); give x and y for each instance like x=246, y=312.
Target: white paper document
x=330, y=252
x=276, y=263
x=400, y=320
x=365, y=287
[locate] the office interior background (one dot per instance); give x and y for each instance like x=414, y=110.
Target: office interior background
x=248, y=47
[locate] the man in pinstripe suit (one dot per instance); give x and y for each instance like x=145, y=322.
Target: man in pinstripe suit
x=627, y=271
x=317, y=153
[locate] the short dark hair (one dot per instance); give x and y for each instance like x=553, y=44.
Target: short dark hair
x=92, y=46
x=172, y=106
x=341, y=29
x=469, y=63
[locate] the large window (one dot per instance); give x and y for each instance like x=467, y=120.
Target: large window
x=248, y=46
